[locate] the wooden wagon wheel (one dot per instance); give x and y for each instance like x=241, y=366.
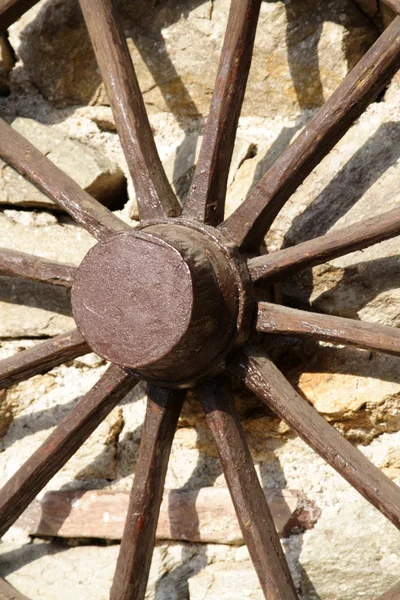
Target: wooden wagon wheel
x=173, y=301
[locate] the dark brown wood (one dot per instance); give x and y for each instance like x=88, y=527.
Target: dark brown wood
x=203, y=515
x=248, y=498
x=286, y=262
x=153, y=191
x=7, y=592
x=11, y=10
x=42, y=357
x=26, y=266
x=394, y=5
x=272, y=318
x=65, y=440
x=392, y=594
x=264, y=379
x=39, y=170
x=170, y=300
x=206, y=199
x=133, y=565
x=250, y=222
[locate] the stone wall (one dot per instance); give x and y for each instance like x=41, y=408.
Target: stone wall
x=304, y=49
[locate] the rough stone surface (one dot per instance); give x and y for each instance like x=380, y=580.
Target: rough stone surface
x=303, y=50
x=95, y=173
x=177, y=75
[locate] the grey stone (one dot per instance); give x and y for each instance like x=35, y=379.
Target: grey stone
x=95, y=173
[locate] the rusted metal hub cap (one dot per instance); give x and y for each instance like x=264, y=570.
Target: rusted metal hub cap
x=164, y=302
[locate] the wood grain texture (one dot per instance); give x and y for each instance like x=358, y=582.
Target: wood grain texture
x=272, y=318
x=264, y=379
x=248, y=498
x=250, y=222
x=133, y=565
x=7, y=592
x=39, y=170
x=394, y=5
x=203, y=515
x=291, y=260
x=153, y=192
x=206, y=199
x=42, y=357
x=11, y=10
x=65, y=440
x=26, y=266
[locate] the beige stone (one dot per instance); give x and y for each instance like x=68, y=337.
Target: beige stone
x=222, y=582
x=176, y=53
x=357, y=390
x=38, y=405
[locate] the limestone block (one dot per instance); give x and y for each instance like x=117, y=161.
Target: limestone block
x=303, y=51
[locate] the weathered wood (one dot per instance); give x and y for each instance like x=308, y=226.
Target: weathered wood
x=204, y=515
x=206, y=199
x=272, y=318
x=264, y=379
x=39, y=170
x=186, y=312
x=252, y=510
x=26, y=266
x=65, y=440
x=11, y=10
x=7, y=592
x=392, y=594
x=153, y=192
x=368, y=7
x=286, y=262
x=133, y=565
x=394, y=5
x=250, y=222
x=42, y=357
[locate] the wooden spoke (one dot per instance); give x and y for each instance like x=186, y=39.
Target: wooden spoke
x=154, y=194
x=249, y=223
x=272, y=318
x=11, y=10
x=26, y=266
x=264, y=379
x=39, y=170
x=206, y=199
x=326, y=247
x=133, y=566
x=68, y=436
x=248, y=498
x=7, y=592
x=42, y=357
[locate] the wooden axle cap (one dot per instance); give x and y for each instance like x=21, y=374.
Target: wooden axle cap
x=161, y=301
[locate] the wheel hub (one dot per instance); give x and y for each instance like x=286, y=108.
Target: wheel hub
x=167, y=301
